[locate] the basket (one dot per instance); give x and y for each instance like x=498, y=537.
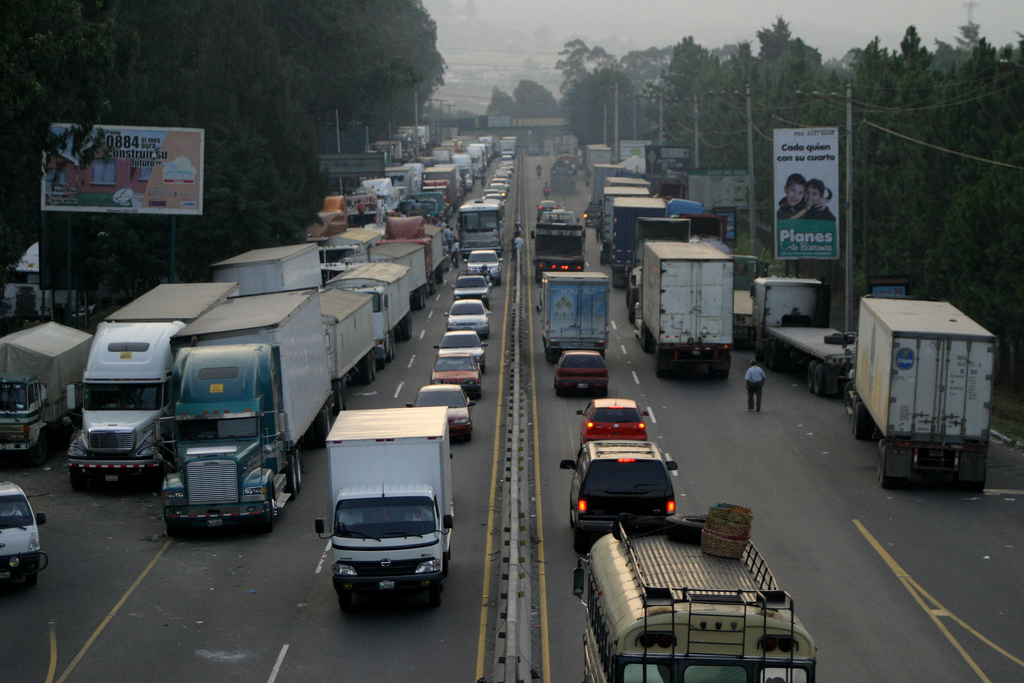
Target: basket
x=726, y=530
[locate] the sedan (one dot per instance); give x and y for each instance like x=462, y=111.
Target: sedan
x=485, y=262
x=461, y=369
x=460, y=417
x=463, y=342
x=470, y=314
x=612, y=418
x=473, y=287
x=581, y=371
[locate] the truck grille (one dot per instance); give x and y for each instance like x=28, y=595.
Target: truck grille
x=396, y=568
x=12, y=433
x=212, y=482
x=111, y=441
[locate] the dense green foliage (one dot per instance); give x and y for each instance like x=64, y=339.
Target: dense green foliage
x=941, y=202
x=258, y=77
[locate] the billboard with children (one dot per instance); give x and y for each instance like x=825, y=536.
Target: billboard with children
x=806, y=182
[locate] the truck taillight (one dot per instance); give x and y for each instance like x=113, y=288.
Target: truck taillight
x=670, y=506
x=581, y=505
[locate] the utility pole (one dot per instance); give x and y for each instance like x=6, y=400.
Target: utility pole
x=849, y=208
x=604, y=129
x=415, y=125
x=696, y=133
x=750, y=173
x=615, y=154
x=661, y=118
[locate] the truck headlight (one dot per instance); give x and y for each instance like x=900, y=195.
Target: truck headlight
x=429, y=567
x=344, y=569
x=33, y=542
x=76, y=449
x=147, y=449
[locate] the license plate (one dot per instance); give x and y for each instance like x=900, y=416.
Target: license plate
x=582, y=385
x=110, y=477
x=5, y=575
x=386, y=585
x=215, y=522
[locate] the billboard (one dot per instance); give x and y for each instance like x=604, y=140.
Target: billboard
x=127, y=169
x=632, y=148
x=668, y=162
x=726, y=187
x=806, y=182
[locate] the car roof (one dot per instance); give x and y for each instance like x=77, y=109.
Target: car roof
x=640, y=450
x=470, y=301
x=461, y=333
x=581, y=352
x=484, y=252
x=615, y=403
x=8, y=488
x=435, y=388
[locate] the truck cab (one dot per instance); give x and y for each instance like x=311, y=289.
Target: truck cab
x=20, y=553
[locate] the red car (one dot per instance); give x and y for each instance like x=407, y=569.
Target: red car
x=461, y=369
x=581, y=371
x=612, y=418
x=460, y=417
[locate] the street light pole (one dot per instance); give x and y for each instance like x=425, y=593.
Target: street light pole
x=750, y=174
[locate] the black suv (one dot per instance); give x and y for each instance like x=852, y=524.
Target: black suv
x=611, y=477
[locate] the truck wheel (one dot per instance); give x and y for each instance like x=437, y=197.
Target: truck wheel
x=820, y=381
x=345, y=600
x=646, y=339
x=551, y=355
x=268, y=526
x=434, y=594
x=294, y=474
x=36, y=456
x=862, y=423
x=537, y=276
x=389, y=347
x=79, y=479
x=630, y=310
x=32, y=579
x=811, y=367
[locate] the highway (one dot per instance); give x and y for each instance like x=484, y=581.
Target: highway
x=920, y=584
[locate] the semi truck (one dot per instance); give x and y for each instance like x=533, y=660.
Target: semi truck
x=685, y=309
x=36, y=367
x=126, y=384
x=922, y=384
x=574, y=312
x=388, y=283
x=557, y=247
x=663, y=229
x=250, y=384
x=791, y=331
x=348, y=322
x=604, y=231
x=658, y=606
x=275, y=269
x=411, y=255
x=391, y=508
x=622, y=241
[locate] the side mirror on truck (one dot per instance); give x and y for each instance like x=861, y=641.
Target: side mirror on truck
x=446, y=521
x=319, y=524
x=70, y=397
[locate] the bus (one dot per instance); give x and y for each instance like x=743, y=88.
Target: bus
x=479, y=226
x=661, y=610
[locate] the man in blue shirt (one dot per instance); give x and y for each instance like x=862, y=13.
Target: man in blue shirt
x=755, y=384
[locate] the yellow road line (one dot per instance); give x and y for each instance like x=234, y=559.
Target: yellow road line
x=53, y=654
x=934, y=610
x=113, y=613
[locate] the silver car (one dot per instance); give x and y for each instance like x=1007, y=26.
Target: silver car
x=463, y=341
x=473, y=287
x=486, y=262
x=470, y=314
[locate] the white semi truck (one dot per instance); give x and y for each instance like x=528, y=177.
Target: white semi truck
x=389, y=285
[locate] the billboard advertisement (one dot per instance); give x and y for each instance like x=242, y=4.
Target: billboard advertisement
x=127, y=169
x=667, y=162
x=714, y=187
x=806, y=191
x=632, y=148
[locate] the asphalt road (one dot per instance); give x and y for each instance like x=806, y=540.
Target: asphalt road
x=921, y=584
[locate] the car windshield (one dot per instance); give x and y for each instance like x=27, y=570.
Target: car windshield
x=467, y=308
x=582, y=360
x=632, y=476
x=477, y=257
x=14, y=512
x=385, y=517
x=450, y=398
x=460, y=341
x=123, y=396
x=475, y=281
x=615, y=415
x=445, y=363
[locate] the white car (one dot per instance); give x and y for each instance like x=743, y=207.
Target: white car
x=464, y=341
x=20, y=556
x=485, y=262
x=470, y=314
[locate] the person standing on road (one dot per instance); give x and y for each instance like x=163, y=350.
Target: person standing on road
x=755, y=384
x=517, y=247
x=455, y=253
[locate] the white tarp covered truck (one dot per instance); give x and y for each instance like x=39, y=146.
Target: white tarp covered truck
x=574, y=312
x=390, y=501
x=923, y=383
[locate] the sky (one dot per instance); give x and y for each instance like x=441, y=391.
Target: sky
x=507, y=33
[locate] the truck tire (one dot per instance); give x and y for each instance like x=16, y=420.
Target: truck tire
x=434, y=594
x=581, y=541
x=79, y=479
x=863, y=426
x=36, y=456
x=646, y=339
x=820, y=381
x=345, y=600
x=294, y=474
x=389, y=347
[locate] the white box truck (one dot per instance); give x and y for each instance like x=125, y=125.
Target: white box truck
x=275, y=269
x=686, y=306
x=407, y=254
x=390, y=501
x=574, y=312
x=127, y=380
x=923, y=384
x=389, y=285
x=348, y=321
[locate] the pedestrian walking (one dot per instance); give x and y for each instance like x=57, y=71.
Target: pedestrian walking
x=455, y=253
x=517, y=247
x=755, y=378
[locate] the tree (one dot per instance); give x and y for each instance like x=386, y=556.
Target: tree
x=578, y=60
x=501, y=104
x=774, y=40
x=534, y=101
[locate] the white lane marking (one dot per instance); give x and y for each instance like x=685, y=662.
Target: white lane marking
x=668, y=456
x=411, y=361
x=650, y=414
x=398, y=389
x=623, y=347
x=277, y=664
x=422, y=332
x=323, y=558
x=438, y=297
x=635, y=378
x=614, y=326
x=430, y=314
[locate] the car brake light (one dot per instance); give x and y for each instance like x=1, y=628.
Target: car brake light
x=590, y=425
x=581, y=505
x=670, y=506
x=626, y=460
x=641, y=426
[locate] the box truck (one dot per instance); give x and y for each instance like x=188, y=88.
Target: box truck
x=275, y=269
x=574, y=312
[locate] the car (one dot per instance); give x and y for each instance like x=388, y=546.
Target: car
x=614, y=477
x=460, y=417
x=499, y=187
x=494, y=196
x=486, y=262
x=470, y=314
x=592, y=214
x=461, y=369
x=472, y=286
x=20, y=553
x=581, y=371
x=545, y=205
x=606, y=419
x=465, y=341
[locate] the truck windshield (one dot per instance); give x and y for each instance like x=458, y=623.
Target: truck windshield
x=123, y=396
x=478, y=221
x=14, y=512
x=208, y=430
x=385, y=517
x=12, y=396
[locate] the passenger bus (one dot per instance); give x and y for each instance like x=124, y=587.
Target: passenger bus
x=661, y=610
x=479, y=226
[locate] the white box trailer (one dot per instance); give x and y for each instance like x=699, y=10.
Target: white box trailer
x=348, y=321
x=574, y=312
x=276, y=269
x=291, y=322
x=686, y=306
x=390, y=486
x=389, y=285
x=406, y=254
x=923, y=382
